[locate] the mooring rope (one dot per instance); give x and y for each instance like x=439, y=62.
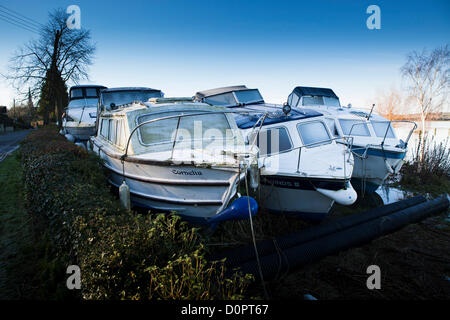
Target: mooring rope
x=266, y=295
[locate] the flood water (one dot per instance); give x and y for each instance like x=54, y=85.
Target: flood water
x=438, y=131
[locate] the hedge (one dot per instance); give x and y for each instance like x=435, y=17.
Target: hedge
x=121, y=254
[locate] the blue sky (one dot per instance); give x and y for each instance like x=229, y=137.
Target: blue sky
x=185, y=46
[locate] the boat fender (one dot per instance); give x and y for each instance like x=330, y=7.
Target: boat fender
x=238, y=210
x=124, y=194
x=70, y=137
x=344, y=197
x=254, y=176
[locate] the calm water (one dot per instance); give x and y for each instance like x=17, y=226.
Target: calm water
x=439, y=131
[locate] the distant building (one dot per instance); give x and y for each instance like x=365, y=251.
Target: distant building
x=3, y=110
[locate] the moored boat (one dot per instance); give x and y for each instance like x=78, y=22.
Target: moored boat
x=80, y=115
x=377, y=149
x=303, y=168
x=176, y=155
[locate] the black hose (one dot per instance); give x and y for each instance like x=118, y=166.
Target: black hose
x=240, y=255
x=310, y=251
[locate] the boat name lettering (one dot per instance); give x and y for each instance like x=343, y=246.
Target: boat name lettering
x=187, y=172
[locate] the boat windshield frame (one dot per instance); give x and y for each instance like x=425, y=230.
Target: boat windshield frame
x=323, y=100
x=175, y=116
x=108, y=107
x=237, y=103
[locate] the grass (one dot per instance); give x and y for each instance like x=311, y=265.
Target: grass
x=15, y=234
x=27, y=264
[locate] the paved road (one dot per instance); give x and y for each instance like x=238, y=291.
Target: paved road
x=9, y=142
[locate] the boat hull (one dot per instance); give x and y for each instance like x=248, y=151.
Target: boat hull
x=80, y=133
x=297, y=196
x=196, y=193
x=372, y=169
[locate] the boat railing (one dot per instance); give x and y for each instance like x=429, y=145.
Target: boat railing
x=347, y=141
x=179, y=116
x=381, y=144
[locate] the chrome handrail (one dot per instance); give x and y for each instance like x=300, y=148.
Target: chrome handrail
x=348, y=143
x=364, y=155
x=179, y=116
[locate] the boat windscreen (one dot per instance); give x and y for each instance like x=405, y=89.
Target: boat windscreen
x=76, y=93
x=193, y=132
x=224, y=99
x=229, y=98
x=80, y=103
x=380, y=128
x=354, y=127
x=123, y=97
x=320, y=101
x=248, y=96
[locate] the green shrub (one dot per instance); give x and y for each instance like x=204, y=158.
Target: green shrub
x=122, y=255
x=146, y=257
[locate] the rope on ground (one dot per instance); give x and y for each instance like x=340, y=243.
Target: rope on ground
x=266, y=295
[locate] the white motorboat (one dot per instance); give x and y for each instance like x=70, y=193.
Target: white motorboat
x=176, y=155
x=303, y=168
x=80, y=115
x=377, y=149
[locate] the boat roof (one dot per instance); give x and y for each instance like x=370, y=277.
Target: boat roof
x=314, y=91
x=275, y=115
x=349, y=113
x=129, y=89
x=216, y=91
x=87, y=86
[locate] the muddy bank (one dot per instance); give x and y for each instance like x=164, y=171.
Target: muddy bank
x=414, y=263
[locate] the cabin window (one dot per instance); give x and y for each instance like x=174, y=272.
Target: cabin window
x=380, y=128
x=332, y=126
x=314, y=132
x=289, y=101
x=112, y=133
x=226, y=99
x=312, y=101
x=354, y=127
x=295, y=99
x=76, y=93
x=273, y=141
x=91, y=92
x=105, y=128
x=119, y=133
x=331, y=102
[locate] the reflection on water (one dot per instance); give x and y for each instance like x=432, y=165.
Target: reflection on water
x=391, y=195
x=439, y=131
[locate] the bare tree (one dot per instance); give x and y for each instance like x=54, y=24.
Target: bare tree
x=428, y=78
x=389, y=103
x=59, y=56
